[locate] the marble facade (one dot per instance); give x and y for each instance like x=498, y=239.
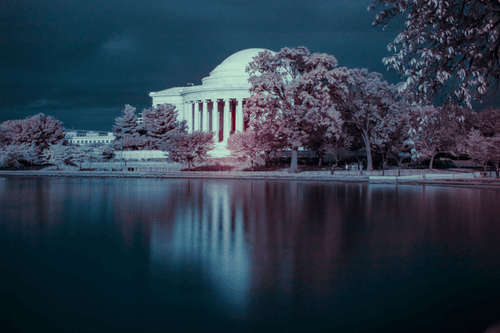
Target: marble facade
x=217, y=104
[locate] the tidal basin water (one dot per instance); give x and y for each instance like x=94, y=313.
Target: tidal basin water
x=179, y=255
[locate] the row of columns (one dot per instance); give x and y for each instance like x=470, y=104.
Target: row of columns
x=198, y=116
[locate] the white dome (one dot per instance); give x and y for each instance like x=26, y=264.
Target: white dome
x=231, y=72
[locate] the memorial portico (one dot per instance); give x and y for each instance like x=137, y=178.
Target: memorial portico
x=217, y=104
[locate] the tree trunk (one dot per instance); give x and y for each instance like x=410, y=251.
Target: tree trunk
x=332, y=170
x=368, y=146
x=320, y=160
x=399, y=166
x=252, y=164
x=497, y=171
x=369, y=159
x=295, y=161
x=432, y=161
x=484, y=168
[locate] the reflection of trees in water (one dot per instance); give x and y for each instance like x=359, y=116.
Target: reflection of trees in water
x=296, y=243
x=316, y=237
x=42, y=205
x=419, y=221
x=24, y=208
x=290, y=238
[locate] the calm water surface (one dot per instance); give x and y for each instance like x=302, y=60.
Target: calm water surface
x=146, y=255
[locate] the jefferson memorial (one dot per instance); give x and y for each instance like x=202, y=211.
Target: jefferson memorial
x=217, y=104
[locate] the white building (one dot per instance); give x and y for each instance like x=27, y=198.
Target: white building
x=83, y=137
x=217, y=104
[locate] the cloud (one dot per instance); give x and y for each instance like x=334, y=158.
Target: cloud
x=44, y=103
x=118, y=44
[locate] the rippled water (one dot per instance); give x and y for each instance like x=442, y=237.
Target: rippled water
x=146, y=255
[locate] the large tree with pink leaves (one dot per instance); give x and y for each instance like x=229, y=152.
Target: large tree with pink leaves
x=39, y=131
x=436, y=130
x=370, y=104
x=189, y=147
x=290, y=89
x=450, y=44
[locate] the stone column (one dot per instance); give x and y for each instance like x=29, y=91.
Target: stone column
x=196, y=116
x=239, y=115
x=188, y=112
x=205, y=116
x=215, y=117
x=180, y=111
x=227, y=119
x=209, y=115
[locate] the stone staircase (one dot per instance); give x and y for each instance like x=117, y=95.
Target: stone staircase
x=220, y=150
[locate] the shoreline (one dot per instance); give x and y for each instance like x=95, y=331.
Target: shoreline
x=245, y=175
x=484, y=183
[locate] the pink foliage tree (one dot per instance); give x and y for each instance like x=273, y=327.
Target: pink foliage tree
x=290, y=89
x=267, y=128
x=189, y=148
x=39, y=131
x=435, y=130
x=445, y=43
x=125, y=130
x=494, y=153
x=159, y=124
x=56, y=154
x=245, y=145
x=488, y=121
x=393, y=142
x=372, y=105
x=477, y=147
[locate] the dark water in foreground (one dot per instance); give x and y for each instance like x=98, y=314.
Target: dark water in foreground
x=145, y=255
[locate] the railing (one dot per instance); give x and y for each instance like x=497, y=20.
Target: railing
x=160, y=167
x=403, y=172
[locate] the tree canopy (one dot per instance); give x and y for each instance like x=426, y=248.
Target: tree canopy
x=290, y=89
x=445, y=43
x=189, y=147
x=434, y=131
x=125, y=130
x=39, y=131
x=245, y=145
x=372, y=105
x=159, y=124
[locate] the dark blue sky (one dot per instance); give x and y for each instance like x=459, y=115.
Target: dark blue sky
x=81, y=61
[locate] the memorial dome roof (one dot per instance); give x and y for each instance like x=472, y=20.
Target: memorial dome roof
x=232, y=70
